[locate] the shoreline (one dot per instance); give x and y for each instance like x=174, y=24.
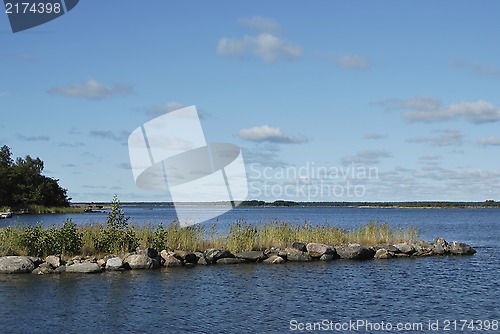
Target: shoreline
x=146, y=258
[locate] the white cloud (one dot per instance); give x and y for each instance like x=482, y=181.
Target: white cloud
x=430, y=109
x=448, y=137
x=266, y=133
x=33, y=138
x=374, y=135
x=489, y=141
x=160, y=109
x=430, y=157
x=367, y=157
x=352, y=61
x=478, y=68
x=266, y=46
x=92, y=89
x=261, y=24
x=107, y=134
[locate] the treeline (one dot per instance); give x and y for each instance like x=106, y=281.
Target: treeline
x=22, y=183
x=424, y=204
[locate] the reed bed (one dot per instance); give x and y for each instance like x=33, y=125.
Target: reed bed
x=99, y=239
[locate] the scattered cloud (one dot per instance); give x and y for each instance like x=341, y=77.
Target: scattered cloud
x=160, y=109
x=351, y=61
x=107, y=134
x=367, y=157
x=430, y=109
x=430, y=157
x=489, y=141
x=374, y=135
x=92, y=89
x=265, y=133
x=69, y=165
x=261, y=24
x=447, y=137
x=73, y=145
x=477, y=68
x=33, y=138
x=267, y=45
x=124, y=165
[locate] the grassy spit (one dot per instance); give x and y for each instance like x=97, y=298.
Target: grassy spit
x=99, y=239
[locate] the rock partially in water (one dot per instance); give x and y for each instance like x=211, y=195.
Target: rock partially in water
x=317, y=250
x=440, y=247
x=383, y=254
x=295, y=255
x=405, y=248
x=274, y=259
x=139, y=261
x=186, y=257
x=459, y=248
x=251, y=256
x=170, y=259
x=230, y=260
x=16, y=265
x=84, y=268
x=114, y=263
x=43, y=270
x=212, y=255
x=54, y=261
x=388, y=247
x=355, y=252
x=149, y=252
x=328, y=256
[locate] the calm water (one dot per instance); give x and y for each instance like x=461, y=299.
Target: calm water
x=264, y=299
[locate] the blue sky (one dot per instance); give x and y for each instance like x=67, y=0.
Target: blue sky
x=405, y=92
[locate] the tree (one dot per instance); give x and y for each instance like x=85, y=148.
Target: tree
x=22, y=183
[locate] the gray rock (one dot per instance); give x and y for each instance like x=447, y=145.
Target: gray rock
x=328, y=257
x=293, y=254
x=300, y=246
x=251, y=256
x=272, y=251
x=149, y=252
x=61, y=269
x=440, y=247
x=114, y=263
x=212, y=255
x=186, y=257
x=317, y=250
x=388, y=247
x=459, y=248
x=405, y=248
x=355, y=252
x=43, y=270
x=54, y=261
x=383, y=253
x=170, y=259
x=139, y=261
x=274, y=259
x=401, y=255
x=84, y=268
x=230, y=260
x=202, y=261
x=16, y=265
x=36, y=260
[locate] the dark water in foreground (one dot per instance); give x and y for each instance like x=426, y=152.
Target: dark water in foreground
x=275, y=299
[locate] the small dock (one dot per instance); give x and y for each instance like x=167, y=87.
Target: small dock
x=5, y=215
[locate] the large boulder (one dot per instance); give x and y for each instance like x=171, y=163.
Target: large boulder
x=114, y=263
x=383, y=253
x=84, y=268
x=16, y=265
x=317, y=250
x=139, y=261
x=149, y=252
x=459, y=248
x=440, y=247
x=300, y=246
x=170, y=260
x=54, y=261
x=212, y=255
x=231, y=260
x=355, y=252
x=405, y=248
x=251, y=256
x=388, y=247
x=186, y=257
x=274, y=259
x=293, y=254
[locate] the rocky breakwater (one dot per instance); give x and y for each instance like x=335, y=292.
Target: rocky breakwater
x=148, y=258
